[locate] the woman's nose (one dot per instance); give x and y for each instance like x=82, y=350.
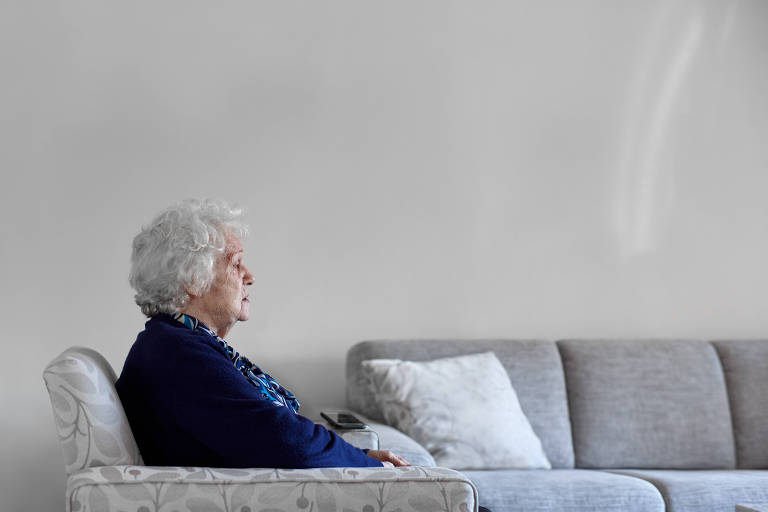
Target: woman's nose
x=248, y=277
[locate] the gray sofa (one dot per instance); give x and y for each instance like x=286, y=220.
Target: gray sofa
x=628, y=425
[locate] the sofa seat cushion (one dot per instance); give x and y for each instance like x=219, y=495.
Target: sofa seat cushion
x=141, y=488
x=705, y=490
x=574, y=490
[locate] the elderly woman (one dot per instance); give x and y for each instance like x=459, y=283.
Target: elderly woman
x=191, y=398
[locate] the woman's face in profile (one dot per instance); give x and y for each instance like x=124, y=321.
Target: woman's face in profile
x=227, y=300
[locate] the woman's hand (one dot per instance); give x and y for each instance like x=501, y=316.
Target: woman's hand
x=389, y=459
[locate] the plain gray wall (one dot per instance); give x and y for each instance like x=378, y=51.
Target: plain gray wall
x=411, y=169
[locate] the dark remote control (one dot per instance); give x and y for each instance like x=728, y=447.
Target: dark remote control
x=343, y=420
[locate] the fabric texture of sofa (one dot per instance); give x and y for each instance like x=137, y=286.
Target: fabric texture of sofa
x=627, y=425
x=105, y=471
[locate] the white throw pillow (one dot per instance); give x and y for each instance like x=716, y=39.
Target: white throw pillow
x=463, y=410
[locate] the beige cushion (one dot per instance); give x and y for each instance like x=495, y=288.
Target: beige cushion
x=463, y=410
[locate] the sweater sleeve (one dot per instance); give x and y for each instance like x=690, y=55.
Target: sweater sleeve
x=222, y=410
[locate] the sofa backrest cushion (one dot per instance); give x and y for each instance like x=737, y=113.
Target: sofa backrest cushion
x=647, y=404
x=89, y=416
x=745, y=364
x=533, y=366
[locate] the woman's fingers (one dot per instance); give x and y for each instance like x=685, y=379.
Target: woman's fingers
x=401, y=461
x=387, y=456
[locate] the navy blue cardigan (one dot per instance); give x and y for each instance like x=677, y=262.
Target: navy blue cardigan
x=189, y=406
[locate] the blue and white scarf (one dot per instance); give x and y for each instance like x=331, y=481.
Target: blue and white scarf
x=268, y=387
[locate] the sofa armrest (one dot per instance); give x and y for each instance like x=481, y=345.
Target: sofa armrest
x=410, y=489
x=397, y=442
x=365, y=439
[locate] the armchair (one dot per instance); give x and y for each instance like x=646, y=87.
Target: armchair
x=105, y=470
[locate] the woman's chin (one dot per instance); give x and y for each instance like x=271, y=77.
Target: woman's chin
x=245, y=312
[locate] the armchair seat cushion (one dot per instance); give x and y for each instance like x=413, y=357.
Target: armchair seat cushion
x=141, y=488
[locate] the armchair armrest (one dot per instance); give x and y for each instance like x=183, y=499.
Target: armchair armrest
x=410, y=489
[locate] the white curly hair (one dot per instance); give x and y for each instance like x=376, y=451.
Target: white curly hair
x=177, y=250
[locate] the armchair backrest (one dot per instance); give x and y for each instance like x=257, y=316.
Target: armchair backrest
x=89, y=416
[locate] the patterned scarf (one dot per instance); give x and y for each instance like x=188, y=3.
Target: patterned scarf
x=268, y=387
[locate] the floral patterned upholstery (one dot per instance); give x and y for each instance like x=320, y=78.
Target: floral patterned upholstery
x=146, y=489
x=90, y=419
x=105, y=471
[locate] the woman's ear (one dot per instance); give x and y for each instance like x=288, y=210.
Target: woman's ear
x=192, y=291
